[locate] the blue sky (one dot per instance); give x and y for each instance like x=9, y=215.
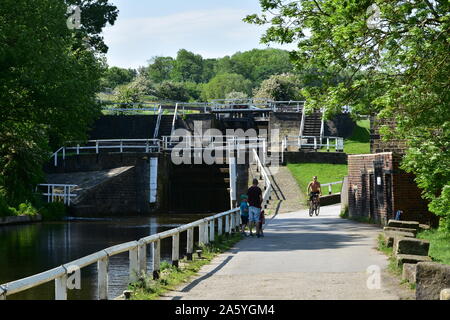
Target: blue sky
x=212, y=28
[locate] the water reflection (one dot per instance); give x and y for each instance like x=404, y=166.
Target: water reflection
x=26, y=250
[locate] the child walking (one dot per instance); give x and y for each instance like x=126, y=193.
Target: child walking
x=244, y=213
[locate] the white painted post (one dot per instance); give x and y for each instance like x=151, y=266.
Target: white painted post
x=219, y=226
x=329, y=189
x=53, y=193
x=201, y=234
x=121, y=146
x=212, y=231
x=205, y=233
x=175, y=249
x=315, y=143
x=64, y=153
x=102, y=284
x=134, y=264
x=96, y=147
x=232, y=223
x=61, y=288
x=56, y=159
x=78, y=149
x=142, y=256
x=156, y=248
x=238, y=221
x=328, y=144
x=190, y=243
x=227, y=224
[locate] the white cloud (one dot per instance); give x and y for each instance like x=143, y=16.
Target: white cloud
x=212, y=33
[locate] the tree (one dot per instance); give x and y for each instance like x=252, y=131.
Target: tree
x=188, y=67
x=173, y=91
x=395, y=56
x=49, y=80
x=222, y=84
x=115, y=76
x=283, y=87
x=160, y=69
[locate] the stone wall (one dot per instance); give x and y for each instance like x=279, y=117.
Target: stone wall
x=287, y=124
x=123, y=127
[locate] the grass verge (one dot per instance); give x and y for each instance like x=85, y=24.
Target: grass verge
x=439, y=245
x=359, y=142
x=148, y=289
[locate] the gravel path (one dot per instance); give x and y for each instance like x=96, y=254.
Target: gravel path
x=300, y=257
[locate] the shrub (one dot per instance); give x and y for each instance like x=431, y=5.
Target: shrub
x=55, y=211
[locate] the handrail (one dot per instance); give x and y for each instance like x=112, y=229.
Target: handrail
x=299, y=142
x=174, y=120
x=158, y=123
x=330, y=184
x=265, y=175
x=137, y=253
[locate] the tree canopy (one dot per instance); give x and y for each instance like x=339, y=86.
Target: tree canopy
x=396, y=62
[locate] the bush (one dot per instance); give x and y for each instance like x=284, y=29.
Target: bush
x=55, y=211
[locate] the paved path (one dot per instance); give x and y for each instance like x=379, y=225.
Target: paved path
x=300, y=257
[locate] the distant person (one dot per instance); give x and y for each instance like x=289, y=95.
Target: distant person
x=262, y=221
x=254, y=194
x=244, y=213
x=314, y=189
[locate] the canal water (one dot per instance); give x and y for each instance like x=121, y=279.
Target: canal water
x=26, y=250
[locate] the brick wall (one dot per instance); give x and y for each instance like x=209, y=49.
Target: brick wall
x=377, y=145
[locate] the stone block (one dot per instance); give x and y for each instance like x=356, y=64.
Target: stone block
x=424, y=227
x=409, y=272
x=404, y=245
x=431, y=279
x=391, y=235
x=403, y=224
x=412, y=230
x=409, y=258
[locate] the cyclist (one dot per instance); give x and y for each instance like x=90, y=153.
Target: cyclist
x=315, y=188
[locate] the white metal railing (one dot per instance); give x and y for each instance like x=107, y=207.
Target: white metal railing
x=58, y=192
x=329, y=185
x=68, y=275
x=158, y=123
x=121, y=145
x=262, y=170
x=174, y=120
x=314, y=142
x=213, y=142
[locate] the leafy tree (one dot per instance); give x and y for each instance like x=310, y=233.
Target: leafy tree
x=283, y=87
x=225, y=83
x=234, y=95
x=188, y=67
x=115, y=76
x=49, y=80
x=396, y=59
x=160, y=69
x=173, y=91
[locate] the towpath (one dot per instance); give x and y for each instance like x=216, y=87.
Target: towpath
x=300, y=257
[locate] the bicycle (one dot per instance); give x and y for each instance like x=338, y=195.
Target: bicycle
x=314, y=206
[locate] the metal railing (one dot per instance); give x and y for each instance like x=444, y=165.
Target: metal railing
x=58, y=192
x=212, y=142
x=68, y=275
x=265, y=176
x=308, y=142
x=329, y=185
x=120, y=145
x=158, y=123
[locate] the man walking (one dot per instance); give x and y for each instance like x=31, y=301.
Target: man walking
x=254, y=194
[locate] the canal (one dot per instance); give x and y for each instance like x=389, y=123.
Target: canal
x=26, y=250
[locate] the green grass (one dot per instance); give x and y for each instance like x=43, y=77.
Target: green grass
x=303, y=173
x=148, y=289
x=393, y=267
x=439, y=245
x=359, y=142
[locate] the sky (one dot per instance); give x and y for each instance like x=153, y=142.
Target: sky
x=212, y=28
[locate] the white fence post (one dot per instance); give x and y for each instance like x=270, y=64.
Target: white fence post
x=156, y=248
x=134, y=264
x=175, y=249
x=205, y=233
x=61, y=288
x=201, y=234
x=329, y=189
x=227, y=224
x=219, y=226
x=142, y=256
x=190, y=243
x=96, y=147
x=102, y=284
x=211, y=231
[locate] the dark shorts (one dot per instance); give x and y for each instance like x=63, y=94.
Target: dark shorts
x=244, y=219
x=313, y=194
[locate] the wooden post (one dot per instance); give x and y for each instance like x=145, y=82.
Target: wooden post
x=156, y=248
x=190, y=243
x=175, y=249
x=212, y=233
x=142, y=256
x=102, y=284
x=134, y=264
x=61, y=288
x=219, y=226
